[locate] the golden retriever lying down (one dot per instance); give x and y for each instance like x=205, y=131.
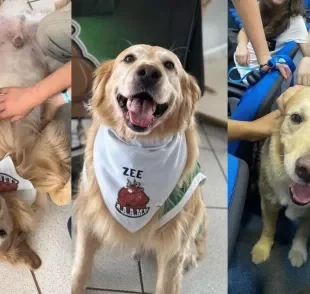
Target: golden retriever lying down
x=142, y=146
x=43, y=158
x=285, y=177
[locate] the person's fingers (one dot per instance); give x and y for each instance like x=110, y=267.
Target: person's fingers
x=283, y=72
x=3, y=114
x=305, y=80
x=15, y=118
x=299, y=79
x=3, y=91
x=238, y=59
x=2, y=107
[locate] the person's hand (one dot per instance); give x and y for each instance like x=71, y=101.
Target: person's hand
x=284, y=70
x=15, y=103
x=303, y=72
x=263, y=127
x=242, y=55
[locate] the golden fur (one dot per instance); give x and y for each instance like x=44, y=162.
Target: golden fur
x=42, y=157
x=95, y=225
x=278, y=159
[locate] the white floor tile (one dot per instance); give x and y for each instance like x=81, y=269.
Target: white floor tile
x=108, y=292
x=114, y=270
x=211, y=275
x=203, y=138
x=218, y=140
x=214, y=190
x=16, y=280
x=54, y=246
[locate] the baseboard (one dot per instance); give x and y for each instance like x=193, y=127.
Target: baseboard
x=216, y=51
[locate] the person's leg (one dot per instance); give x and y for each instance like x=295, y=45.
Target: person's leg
x=54, y=35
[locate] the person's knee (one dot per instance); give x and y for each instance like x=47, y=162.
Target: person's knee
x=54, y=36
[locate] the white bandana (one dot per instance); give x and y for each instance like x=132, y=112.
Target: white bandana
x=134, y=180
x=11, y=181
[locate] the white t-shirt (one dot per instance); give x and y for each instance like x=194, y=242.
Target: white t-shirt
x=296, y=32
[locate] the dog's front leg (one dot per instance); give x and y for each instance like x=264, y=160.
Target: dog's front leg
x=170, y=271
x=298, y=254
x=262, y=248
x=85, y=247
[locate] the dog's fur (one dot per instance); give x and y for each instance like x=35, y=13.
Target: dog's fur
x=94, y=223
x=278, y=160
x=40, y=155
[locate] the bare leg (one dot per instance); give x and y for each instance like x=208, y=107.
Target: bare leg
x=85, y=247
x=298, y=254
x=262, y=248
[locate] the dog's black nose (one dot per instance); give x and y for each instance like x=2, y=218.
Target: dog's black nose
x=149, y=75
x=302, y=168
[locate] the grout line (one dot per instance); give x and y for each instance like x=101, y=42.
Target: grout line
x=205, y=148
x=215, y=155
x=116, y=291
x=216, y=207
x=140, y=276
x=35, y=281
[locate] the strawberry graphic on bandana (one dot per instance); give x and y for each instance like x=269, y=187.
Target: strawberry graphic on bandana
x=7, y=183
x=132, y=200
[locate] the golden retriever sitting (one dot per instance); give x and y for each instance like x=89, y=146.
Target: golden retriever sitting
x=43, y=158
x=141, y=157
x=285, y=177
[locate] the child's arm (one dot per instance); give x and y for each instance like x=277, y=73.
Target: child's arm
x=16, y=103
x=256, y=130
x=242, y=53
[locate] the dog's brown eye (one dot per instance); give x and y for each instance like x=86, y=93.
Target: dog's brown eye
x=129, y=58
x=2, y=233
x=169, y=65
x=296, y=118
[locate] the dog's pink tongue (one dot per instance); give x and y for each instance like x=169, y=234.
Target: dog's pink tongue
x=140, y=112
x=301, y=193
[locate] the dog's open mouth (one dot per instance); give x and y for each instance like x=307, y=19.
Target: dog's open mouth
x=141, y=111
x=300, y=194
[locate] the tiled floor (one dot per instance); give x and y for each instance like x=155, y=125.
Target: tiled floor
x=52, y=243
x=116, y=272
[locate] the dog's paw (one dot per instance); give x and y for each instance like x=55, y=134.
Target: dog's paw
x=63, y=196
x=190, y=262
x=261, y=252
x=298, y=256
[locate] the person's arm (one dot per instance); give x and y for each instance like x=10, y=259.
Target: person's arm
x=243, y=39
x=256, y=130
x=16, y=103
x=305, y=49
x=248, y=11
x=242, y=54
x=53, y=84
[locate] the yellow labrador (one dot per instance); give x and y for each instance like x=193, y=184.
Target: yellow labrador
x=285, y=177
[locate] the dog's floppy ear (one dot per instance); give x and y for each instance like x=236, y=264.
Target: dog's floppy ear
x=26, y=255
x=101, y=77
x=283, y=99
x=4, y=211
x=191, y=94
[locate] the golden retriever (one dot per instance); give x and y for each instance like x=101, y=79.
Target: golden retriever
x=285, y=177
x=43, y=158
x=150, y=81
